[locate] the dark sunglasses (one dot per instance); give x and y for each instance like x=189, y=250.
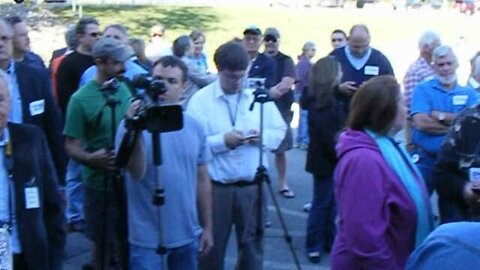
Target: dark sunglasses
x=270, y=39
x=95, y=34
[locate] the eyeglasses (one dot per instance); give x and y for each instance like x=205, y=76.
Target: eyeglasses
x=95, y=34
x=337, y=39
x=157, y=35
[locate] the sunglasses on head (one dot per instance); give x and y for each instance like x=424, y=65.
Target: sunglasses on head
x=270, y=39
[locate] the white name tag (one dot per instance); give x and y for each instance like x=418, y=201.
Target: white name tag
x=37, y=107
x=474, y=174
x=6, y=256
x=371, y=70
x=460, y=99
x=32, y=199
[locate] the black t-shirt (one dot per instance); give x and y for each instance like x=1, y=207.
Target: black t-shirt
x=68, y=76
x=284, y=67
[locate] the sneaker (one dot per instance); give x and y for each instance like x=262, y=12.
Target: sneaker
x=307, y=207
x=314, y=257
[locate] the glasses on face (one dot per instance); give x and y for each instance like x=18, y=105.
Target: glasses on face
x=95, y=34
x=252, y=39
x=157, y=35
x=337, y=39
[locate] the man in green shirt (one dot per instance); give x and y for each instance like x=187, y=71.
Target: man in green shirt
x=88, y=132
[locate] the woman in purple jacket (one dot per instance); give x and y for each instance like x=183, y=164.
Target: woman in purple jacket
x=382, y=203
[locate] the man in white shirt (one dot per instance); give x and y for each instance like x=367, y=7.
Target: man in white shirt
x=232, y=137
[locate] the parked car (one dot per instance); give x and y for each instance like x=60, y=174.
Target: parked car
x=361, y=3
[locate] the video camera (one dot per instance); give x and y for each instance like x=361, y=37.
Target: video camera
x=153, y=116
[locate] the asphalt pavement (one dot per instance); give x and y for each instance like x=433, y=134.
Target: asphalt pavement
x=277, y=251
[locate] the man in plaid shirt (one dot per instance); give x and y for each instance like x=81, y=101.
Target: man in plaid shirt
x=419, y=71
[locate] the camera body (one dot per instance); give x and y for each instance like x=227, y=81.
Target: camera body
x=153, y=87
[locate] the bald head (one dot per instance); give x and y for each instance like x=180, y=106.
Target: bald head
x=359, y=40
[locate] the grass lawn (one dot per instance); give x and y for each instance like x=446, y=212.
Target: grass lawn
x=394, y=33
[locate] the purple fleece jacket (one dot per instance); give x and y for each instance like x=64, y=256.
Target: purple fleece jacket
x=377, y=218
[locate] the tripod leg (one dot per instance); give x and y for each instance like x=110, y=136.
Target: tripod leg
x=286, y=235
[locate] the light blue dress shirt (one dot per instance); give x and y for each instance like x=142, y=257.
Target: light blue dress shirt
x=7, y=201
x=16, y=112
x=357, y=63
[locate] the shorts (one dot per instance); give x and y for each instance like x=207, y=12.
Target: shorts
x=287, y=141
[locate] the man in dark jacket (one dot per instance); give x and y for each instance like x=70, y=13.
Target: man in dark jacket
x=31, y=99
x=31, y=211
x=456, y=174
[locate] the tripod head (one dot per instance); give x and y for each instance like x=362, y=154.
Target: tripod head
x=260, y=93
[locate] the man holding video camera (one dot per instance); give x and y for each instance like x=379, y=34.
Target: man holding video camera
x=182, y=230
x=89, y=140
x=232, y=137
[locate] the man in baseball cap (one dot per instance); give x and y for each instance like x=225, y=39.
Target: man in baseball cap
x=88, y=140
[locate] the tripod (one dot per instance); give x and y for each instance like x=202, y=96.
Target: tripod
x=262, y=176
x=109, y=89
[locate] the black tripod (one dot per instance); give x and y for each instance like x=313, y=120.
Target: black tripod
x=109, y=89
x=261, y=176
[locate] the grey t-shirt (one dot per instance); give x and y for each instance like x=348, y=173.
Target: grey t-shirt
x=182, y=152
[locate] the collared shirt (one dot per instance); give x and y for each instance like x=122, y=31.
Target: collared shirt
x=211, y=107
x=7, y=200
x=16, y=112
x=418, y=72
x=356, y=62
x=430, y=96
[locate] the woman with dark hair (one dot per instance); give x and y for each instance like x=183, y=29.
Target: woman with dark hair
x=325, y=119
x=383, y=206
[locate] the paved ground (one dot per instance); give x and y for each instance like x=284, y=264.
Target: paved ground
x=277, y=253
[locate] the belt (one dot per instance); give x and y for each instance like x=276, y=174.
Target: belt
x=239, y=183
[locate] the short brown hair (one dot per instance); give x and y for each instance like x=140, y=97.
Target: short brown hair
x=374, y=106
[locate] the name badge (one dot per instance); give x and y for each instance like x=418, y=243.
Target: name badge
x=37, y=107
x=460, y=100
x=32, y=199
x=371, y=70
x=474, y=174
x=6, y=256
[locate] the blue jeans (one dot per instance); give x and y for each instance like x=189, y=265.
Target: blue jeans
x=181, y=258
x=302, y=131
x=321, y=218
x=74, y=192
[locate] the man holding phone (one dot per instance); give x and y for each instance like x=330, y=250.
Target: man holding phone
x=359, y=61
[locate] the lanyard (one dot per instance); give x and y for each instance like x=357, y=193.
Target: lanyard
x=233, y=113
x=8, y=160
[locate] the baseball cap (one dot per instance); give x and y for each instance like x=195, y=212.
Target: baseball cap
x=252, y=29
x=272, y=32
x=111, y=48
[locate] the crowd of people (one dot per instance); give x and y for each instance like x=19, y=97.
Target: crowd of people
x=173, y=202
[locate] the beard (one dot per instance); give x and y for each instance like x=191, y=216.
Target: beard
x=451, y=79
